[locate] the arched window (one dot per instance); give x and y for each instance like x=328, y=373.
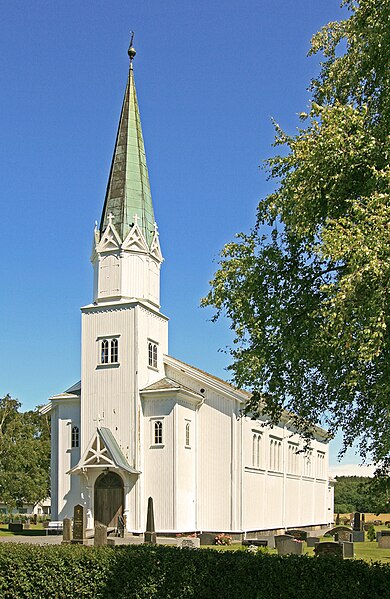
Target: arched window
x=152, y=354
x=158, y=432
x=114, y=350
x=187, y=434
x=104, y=352
x=75, y=436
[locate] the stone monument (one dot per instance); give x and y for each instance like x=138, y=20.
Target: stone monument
x=150, y=533
x=79, y=525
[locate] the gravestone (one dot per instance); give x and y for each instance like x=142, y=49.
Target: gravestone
x=328, y=548
x=100, y=537
x=207, y=538
x=79, y=525
x=189, y=542
x=150, y=533
x=299, y=535
x=312, y=541
x=348, y=549
x=66, y=531
x=27, y=524
x=15, y=526
x=384, y=539
x=358, y=536
x=289, y=546
x=279, y=538
x=356, y=521
x=343, y=535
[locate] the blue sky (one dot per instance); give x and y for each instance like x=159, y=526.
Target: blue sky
x=209, y=75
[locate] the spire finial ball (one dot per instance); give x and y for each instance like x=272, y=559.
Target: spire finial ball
x=131, y=52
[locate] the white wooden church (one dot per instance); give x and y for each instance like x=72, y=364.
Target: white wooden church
x=142, y=423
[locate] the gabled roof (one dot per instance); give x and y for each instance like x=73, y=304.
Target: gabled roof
x=103, y=451
x=128, y=190
x=207, y=378
x=75, y=389
x=167, y=384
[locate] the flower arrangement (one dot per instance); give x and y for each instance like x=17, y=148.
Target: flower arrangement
x=223, y=539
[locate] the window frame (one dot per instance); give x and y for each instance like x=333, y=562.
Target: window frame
x=75, y=437
x=152, y=354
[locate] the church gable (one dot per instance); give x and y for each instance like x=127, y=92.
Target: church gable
x=110, y=240
x=103, y=452
x=135, y=241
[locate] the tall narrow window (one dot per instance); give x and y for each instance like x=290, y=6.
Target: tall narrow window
x=114, y=350
x=187, y=434
x=104, y=352
x=75, y=436
x=152, y=354
x=158, y=432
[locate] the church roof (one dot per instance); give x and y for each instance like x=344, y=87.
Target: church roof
x=168, y=384
x=75, y=389
x=128, y=190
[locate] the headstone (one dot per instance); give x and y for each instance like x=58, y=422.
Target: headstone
x=207, y=538
x=27, y=524
x=348, y=549
x=150, y=533
x=299, y=535
x=328, y=548
x=35, y=517
x=279, y=538
x=312, y=541
x=384, y=541
x=79, y=525
x=356, y=521
x=337, y=520
x=189, y=542
x=66, y=531
x=358, y=536
x=289, y=546
x=343, y=535
x=15, y=526
x=337, y=530
x=100, y=537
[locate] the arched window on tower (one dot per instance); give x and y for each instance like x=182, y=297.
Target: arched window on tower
x=75, y=436
x=104, y=352
x=114, y=350
x=152, y=354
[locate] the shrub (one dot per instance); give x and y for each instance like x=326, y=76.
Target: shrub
x=371, y=534
x=158, y=572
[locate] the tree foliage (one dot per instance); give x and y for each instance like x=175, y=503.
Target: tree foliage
x=357, y=494
x=24, y=455
x=307, y=289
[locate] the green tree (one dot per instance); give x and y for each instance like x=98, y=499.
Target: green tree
x=307, y=289
x=359, y=494
x=24, y=454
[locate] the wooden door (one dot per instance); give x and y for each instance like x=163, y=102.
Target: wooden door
x=108, y=499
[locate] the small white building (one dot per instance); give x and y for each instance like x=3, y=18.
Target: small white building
x=142, y=423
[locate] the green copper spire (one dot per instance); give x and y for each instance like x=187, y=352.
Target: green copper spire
x=128, y=190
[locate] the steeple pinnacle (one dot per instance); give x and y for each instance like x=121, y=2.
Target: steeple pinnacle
x=128, y=189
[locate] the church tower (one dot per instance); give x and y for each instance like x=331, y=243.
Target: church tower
x=124, y=334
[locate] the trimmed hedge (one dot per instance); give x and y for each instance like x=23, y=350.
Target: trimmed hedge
x=157, y=572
